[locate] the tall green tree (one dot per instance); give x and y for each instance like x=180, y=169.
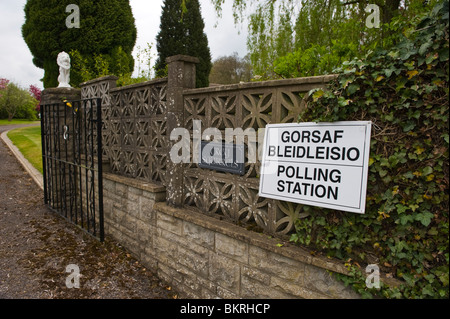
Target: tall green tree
x=106, y=32
x=181, y=32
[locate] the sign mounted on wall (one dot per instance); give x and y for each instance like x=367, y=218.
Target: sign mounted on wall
x=222, y=157
x=317, y=164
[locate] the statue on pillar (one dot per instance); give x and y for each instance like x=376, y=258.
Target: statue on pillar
x=64, y=70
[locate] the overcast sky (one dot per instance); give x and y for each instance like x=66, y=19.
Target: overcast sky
x=16, y=60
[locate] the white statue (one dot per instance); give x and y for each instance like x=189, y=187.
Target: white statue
x=64, y=70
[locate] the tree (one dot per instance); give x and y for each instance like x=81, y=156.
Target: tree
x=270, y=36
x=16, y=102
x=106, y=30
x=327, y=32
x=36, y=93
x=230, y=69
x=3, y=85
x=286, y=36
x=181, y=32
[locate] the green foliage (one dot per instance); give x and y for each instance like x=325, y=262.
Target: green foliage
x=230, y=69
x=98, y=65
x=16, y=102
x=405, y=230
x=296, y=38
x=181, y=32
x=314, y=61
x=107, y=33
x=145, y=70
x=144, y=62
x=329, y=32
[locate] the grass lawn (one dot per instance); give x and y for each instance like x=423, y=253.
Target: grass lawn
x=13, y=122
x=28, y=141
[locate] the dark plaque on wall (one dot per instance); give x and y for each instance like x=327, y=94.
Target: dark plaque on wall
x=222, y=157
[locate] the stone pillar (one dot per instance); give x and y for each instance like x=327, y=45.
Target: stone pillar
x=60, y=113
x=181, y=76
x=56, y=95
x=60, y=119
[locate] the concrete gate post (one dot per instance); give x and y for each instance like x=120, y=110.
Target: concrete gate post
x=181, y=75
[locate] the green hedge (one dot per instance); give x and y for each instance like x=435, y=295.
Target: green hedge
x=405, y=230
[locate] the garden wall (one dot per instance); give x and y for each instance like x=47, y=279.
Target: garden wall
x=204, y=257
x=188, y=224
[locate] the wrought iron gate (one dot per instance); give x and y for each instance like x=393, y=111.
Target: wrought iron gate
x=72, y=162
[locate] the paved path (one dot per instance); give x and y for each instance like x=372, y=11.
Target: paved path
x=14, y=186
x=36, y=246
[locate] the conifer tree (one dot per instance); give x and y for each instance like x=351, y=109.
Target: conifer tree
x=106, y=31
x=181, y=32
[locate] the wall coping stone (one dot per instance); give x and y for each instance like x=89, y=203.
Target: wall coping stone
x=257, y=239
x=61, y=90
x=138, y=85
x=181, y=57
x=100, y=79
x=321, y=79
x=55, y=95
x=146, y=186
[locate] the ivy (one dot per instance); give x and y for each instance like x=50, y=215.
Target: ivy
x=405, y=230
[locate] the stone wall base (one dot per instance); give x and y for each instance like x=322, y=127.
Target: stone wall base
x=203, y=257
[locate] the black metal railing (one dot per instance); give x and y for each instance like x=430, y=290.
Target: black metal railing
x=72, y=162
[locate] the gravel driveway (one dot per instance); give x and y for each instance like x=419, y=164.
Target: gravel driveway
x=36, y=246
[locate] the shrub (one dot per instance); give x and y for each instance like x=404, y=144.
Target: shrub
x=405, y=230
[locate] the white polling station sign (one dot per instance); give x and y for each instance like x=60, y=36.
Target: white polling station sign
x=317, y=164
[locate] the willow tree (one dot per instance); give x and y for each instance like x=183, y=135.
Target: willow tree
x=289, y=38
x=106, y=32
